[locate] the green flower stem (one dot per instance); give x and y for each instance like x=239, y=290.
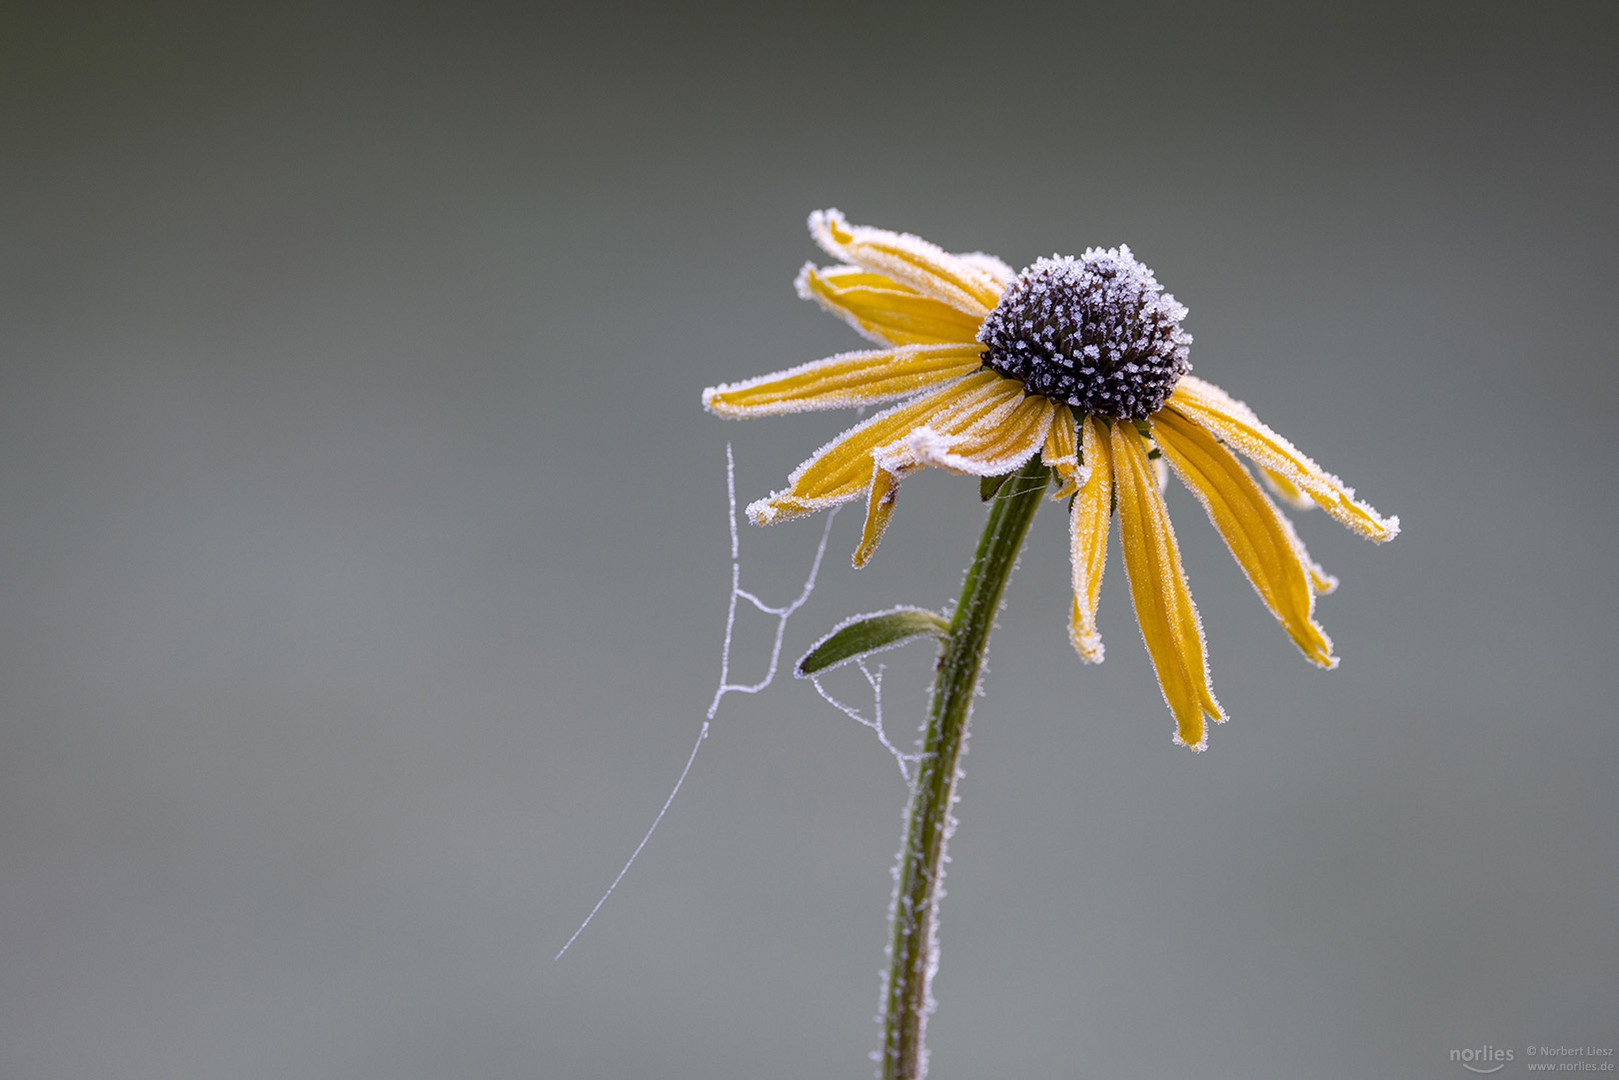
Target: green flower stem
x=914, y=954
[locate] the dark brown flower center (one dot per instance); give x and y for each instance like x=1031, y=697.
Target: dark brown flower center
x=1097, y=332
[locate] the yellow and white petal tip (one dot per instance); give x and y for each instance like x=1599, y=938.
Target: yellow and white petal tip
x=967, y=285
x=1087, y=643
x=829, y=228
x=763, y=512
x=879, y=508
x=1197, y=747
x=784, y=506
x=1235, y=424
x=804, y=283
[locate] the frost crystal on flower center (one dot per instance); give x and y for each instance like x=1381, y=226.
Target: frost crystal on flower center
x=1097, y=332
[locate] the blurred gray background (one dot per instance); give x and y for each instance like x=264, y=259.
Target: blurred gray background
x=363, y=553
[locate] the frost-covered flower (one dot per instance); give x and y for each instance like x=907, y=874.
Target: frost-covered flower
x=1082, y=361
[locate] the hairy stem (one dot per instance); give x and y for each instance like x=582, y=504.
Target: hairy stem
x=914, y=952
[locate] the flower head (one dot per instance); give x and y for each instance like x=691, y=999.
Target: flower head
x=1096, y=333
x=1084, y=362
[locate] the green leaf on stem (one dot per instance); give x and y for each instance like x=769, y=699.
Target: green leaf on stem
x=865, y=634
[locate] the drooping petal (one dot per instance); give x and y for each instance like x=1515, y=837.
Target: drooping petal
x=980, y=443
x=879, y=508
x=1253, y=528
x=1235, y=423
x=910, y=260
x=1164, y=607
x=841, y=470
x=1061, y=453
x=1290, y=495
x=844, y=381
x=882, y=309
x=1088, y=521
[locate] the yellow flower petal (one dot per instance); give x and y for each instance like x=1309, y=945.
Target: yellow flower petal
x=987, y=444
x=1235, y=423
x=974, y=441
x=841, y=470
x=910, y=260
x=879, y=508
x=1164, y=608
x=844, y=381
x=1253, y=528
x=1088, y=521
x=881, y=308
x=1061, y=453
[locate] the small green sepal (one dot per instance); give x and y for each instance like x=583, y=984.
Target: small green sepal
x=989, y=485
x=866, y=634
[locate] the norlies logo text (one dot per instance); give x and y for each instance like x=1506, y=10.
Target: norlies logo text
x=1482, y=1059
